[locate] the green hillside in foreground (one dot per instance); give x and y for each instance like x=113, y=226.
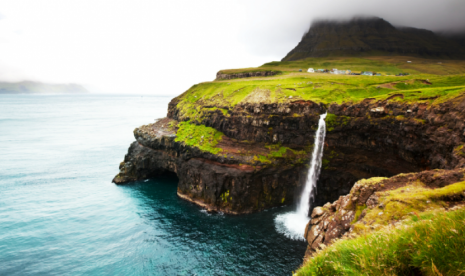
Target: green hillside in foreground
x=429, y=80
x=428, y=243
x=31, y=87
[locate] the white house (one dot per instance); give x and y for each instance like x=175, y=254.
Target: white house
x=310, y=70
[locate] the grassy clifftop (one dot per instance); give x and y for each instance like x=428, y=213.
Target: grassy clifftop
x=388, y=65
x=428, y=81
x=322, y=88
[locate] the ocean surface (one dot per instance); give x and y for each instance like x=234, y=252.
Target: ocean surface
x=61, y=215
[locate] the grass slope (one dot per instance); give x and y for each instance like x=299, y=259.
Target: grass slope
x=433, y=244
x=429, y=79
x=200, y=136
x=399, y=203
x=324, y=88
x=389, y=65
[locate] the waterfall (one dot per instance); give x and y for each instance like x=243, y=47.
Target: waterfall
x=308, y=193
x=293, y=224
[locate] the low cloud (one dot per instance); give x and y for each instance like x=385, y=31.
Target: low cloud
x=164, y=47
x=275, y=27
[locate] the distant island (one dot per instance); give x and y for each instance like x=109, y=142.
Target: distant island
x=32, y=87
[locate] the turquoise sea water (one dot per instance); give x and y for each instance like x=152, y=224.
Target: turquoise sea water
x=61, y=215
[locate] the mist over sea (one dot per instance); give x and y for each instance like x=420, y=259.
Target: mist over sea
x=61, y=215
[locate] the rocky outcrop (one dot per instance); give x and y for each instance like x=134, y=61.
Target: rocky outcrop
x=365, y=36
x=226, y=182
x=228, y=76
x=373, y=203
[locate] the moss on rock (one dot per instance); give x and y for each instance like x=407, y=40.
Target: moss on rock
x=200, y=136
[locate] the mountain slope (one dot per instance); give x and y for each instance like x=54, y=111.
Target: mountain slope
x=372, y=36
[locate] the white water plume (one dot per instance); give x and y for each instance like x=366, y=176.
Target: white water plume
x=292, y=224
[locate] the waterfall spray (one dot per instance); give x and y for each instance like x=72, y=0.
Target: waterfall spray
x=293, y=224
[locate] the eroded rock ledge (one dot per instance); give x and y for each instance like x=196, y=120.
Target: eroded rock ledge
x=228, y=76
x=229, y=182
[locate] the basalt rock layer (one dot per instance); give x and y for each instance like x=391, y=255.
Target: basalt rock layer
x=228, y=76
x=265, y=147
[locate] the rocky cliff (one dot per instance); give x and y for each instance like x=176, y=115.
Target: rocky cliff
x=221, y=75
x=260, y=158
x=231, y=181
x=372, y=36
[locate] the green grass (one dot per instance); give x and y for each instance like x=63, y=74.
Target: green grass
x=279, y=152
x=320, y=88
x=459, y=150
x=262, y=159
x=333, y=121
x=200, y=136
x=447, y=78
x=387, y=65
x=207, y=139
x=435, y=245
x=354, y=64
x=415, y=197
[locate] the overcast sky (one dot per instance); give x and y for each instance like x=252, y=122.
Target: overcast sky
x=164, y=47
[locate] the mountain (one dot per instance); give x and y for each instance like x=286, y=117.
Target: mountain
x=31, y=87
x=372, y=36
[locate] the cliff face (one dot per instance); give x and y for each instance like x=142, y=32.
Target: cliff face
x=366, y=139
x=227, y=182
x=228, y=76
x=371, y=36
